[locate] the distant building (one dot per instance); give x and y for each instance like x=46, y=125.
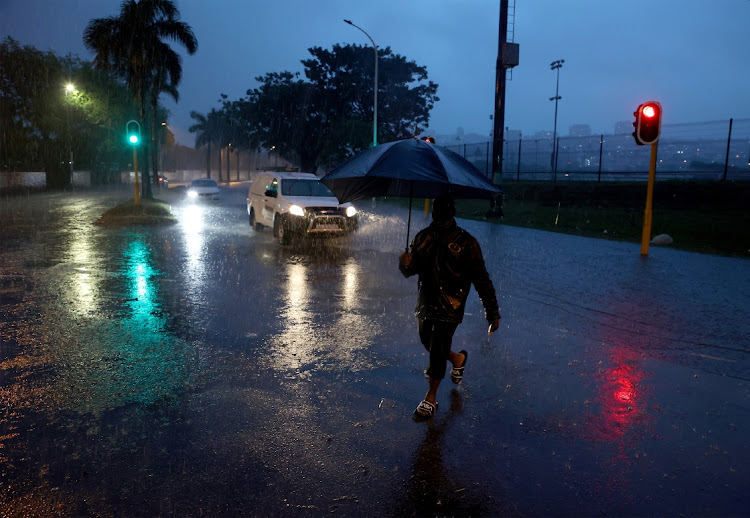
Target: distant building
x=623, y=127
x=441, y=139
x=542, y=135
x=579, y=130
x=512, y=134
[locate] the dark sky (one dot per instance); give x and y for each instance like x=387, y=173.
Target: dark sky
x=693, y=56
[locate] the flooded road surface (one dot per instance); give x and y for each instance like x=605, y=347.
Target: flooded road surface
x=203, y=370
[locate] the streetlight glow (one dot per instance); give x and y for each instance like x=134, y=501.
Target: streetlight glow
x=69, y=87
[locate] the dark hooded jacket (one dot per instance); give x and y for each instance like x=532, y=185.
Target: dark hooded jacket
x=448, y=261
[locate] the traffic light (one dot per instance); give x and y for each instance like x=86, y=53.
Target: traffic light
x=133, y=132
x=647, y=123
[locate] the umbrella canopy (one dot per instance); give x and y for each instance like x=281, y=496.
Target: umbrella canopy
x=409, y=167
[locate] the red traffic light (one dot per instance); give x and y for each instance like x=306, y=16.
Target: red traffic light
x=647, y=123
x=648, y=111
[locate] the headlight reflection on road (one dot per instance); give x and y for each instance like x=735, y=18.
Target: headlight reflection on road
x=192, y=225
x=321, y=331
x=298, y=338
x=353, y=329
x=350, y=285
x=84, y=290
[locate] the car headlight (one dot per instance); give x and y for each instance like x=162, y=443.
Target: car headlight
x=296, y=210
x=350, y=211
x=192, y=194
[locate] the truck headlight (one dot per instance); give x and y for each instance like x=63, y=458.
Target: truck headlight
x=192, y=194
x=296, y=210
x=350, y=211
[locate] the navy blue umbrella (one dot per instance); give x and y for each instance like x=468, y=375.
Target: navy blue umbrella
x=409, y=167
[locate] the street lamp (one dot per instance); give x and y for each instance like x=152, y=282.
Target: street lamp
x=375, y=109
x=555, y=65
x=162, y=144
x=69, y=89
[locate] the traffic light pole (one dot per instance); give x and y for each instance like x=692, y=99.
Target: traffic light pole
x=135, y=167
x=133, y=134
x=647, y=214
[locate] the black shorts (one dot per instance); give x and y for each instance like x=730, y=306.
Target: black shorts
x=437, y=337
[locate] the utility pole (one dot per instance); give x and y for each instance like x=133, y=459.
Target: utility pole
x=507, y=57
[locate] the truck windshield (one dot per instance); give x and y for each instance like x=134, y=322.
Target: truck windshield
x=305, y=188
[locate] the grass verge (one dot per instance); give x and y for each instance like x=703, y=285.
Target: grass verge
x=148, y=212
x=707, y=217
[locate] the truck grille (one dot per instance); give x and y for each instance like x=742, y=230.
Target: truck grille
x=326, y=211
x=327, y=224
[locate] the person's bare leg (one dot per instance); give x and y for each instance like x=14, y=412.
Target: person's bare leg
x=456, y=358
x=432, y=390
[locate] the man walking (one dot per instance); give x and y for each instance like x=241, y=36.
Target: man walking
x=448, y=261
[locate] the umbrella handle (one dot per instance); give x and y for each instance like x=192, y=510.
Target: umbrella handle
x=408, y=225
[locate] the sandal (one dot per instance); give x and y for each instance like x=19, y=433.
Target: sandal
x=425, y=410
x=457, y=373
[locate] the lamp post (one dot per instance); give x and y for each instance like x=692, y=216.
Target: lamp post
x=555, y=65
x=165, y=127
x=375, y=103
x=69, y=89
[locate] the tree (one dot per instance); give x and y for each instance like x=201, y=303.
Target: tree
x=235, y=134
x=325, y=118
x=132, y=45
x=97, y=112
x=405, y=95
x=209, y=131
x=159, y=84
x=41, y=122
x=32, y=113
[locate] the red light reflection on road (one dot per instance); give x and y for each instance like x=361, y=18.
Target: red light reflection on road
x=621, y=395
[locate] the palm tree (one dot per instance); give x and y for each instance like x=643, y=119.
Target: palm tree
x=160, y=85
x=209, y=129
x=132, y=45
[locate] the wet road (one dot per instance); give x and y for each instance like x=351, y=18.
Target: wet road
x=202, y=369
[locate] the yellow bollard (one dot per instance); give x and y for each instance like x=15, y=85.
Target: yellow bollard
x=646, y=233
x=135, y=167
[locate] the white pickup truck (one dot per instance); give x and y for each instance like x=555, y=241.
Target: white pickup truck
x=297, y=204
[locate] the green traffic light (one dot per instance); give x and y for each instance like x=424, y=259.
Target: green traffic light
x=133, y=132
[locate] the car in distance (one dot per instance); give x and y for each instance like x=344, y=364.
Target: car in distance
x=297, y=204
x=203, y=189
x=163, y=182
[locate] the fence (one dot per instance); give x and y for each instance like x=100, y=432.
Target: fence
x=708, y=150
